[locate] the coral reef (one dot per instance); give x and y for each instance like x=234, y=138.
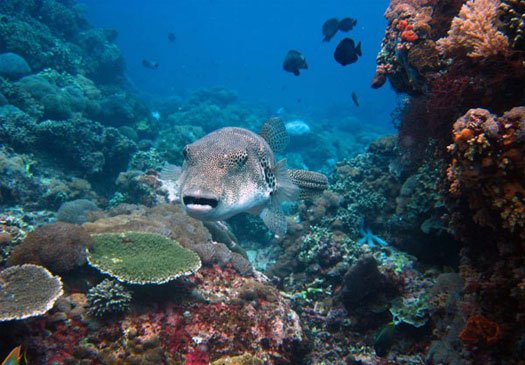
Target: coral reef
x=474, y=32
x=60, y=247
x=108, y=298
x=141, y=257
x=212, y=315
x=27, y=291
x=487, y=167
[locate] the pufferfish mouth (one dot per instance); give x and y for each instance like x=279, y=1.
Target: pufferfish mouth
x=199, y=203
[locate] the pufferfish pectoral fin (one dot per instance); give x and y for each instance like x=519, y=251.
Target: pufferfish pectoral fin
x=311, y=183
x=274, y=218
x=275, y=134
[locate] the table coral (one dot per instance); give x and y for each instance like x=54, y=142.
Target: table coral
x=27, y=291
x=141, y=257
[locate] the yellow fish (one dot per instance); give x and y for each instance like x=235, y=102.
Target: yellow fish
x=14, y=357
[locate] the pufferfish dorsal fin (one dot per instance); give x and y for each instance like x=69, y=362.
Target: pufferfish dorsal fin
x=274, y=133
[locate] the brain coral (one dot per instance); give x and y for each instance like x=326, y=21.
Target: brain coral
x=27, y=291
x=141, y=257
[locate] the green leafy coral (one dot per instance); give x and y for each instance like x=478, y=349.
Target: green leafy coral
x=141, y=258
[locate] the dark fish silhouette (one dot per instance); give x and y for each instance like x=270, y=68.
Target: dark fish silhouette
x=330, y=27
x=346, y=24
x=347, y=52
x=153, y=65
x=171, y=37
x=355, y=99
x=384, y=339
x=294, y=61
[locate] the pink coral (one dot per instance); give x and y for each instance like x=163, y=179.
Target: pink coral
x=474, y=31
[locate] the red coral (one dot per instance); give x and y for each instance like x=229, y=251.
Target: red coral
x=409, y=35
x=197, y=357
x=480, y=331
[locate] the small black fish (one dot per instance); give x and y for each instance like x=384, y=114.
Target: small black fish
x=346, y=24
x=294, y=61
x=330, y=27
x=347, y=52
x=171, y=37
x=153, y=65
x=355, y=99
x=384, y=339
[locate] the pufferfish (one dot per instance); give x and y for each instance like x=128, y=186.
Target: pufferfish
x=234, y=170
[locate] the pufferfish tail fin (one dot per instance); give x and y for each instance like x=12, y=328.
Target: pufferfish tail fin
x=311, y=183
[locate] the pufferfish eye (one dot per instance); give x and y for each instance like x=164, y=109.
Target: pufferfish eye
x=185, y=151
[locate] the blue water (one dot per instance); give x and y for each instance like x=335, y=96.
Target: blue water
x=241, y=45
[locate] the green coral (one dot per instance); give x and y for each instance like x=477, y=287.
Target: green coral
x=141, y=258
x=413, y=311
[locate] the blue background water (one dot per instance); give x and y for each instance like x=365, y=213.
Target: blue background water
x=241, y=45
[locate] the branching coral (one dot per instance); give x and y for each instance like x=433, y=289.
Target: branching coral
x=107, y=298
x=474, y=31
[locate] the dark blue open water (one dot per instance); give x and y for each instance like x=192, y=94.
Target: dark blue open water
x=241, y=45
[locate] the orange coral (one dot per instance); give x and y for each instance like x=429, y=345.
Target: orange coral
x=480, y=331
x=409, y=35
x=474, y=31
x=488, y=155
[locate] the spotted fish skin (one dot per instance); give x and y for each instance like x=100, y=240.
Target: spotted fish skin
x=234, y=170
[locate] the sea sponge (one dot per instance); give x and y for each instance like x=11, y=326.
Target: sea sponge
x=27, y=291
x=107, y=298
x=141, y=258
x=60, y=247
